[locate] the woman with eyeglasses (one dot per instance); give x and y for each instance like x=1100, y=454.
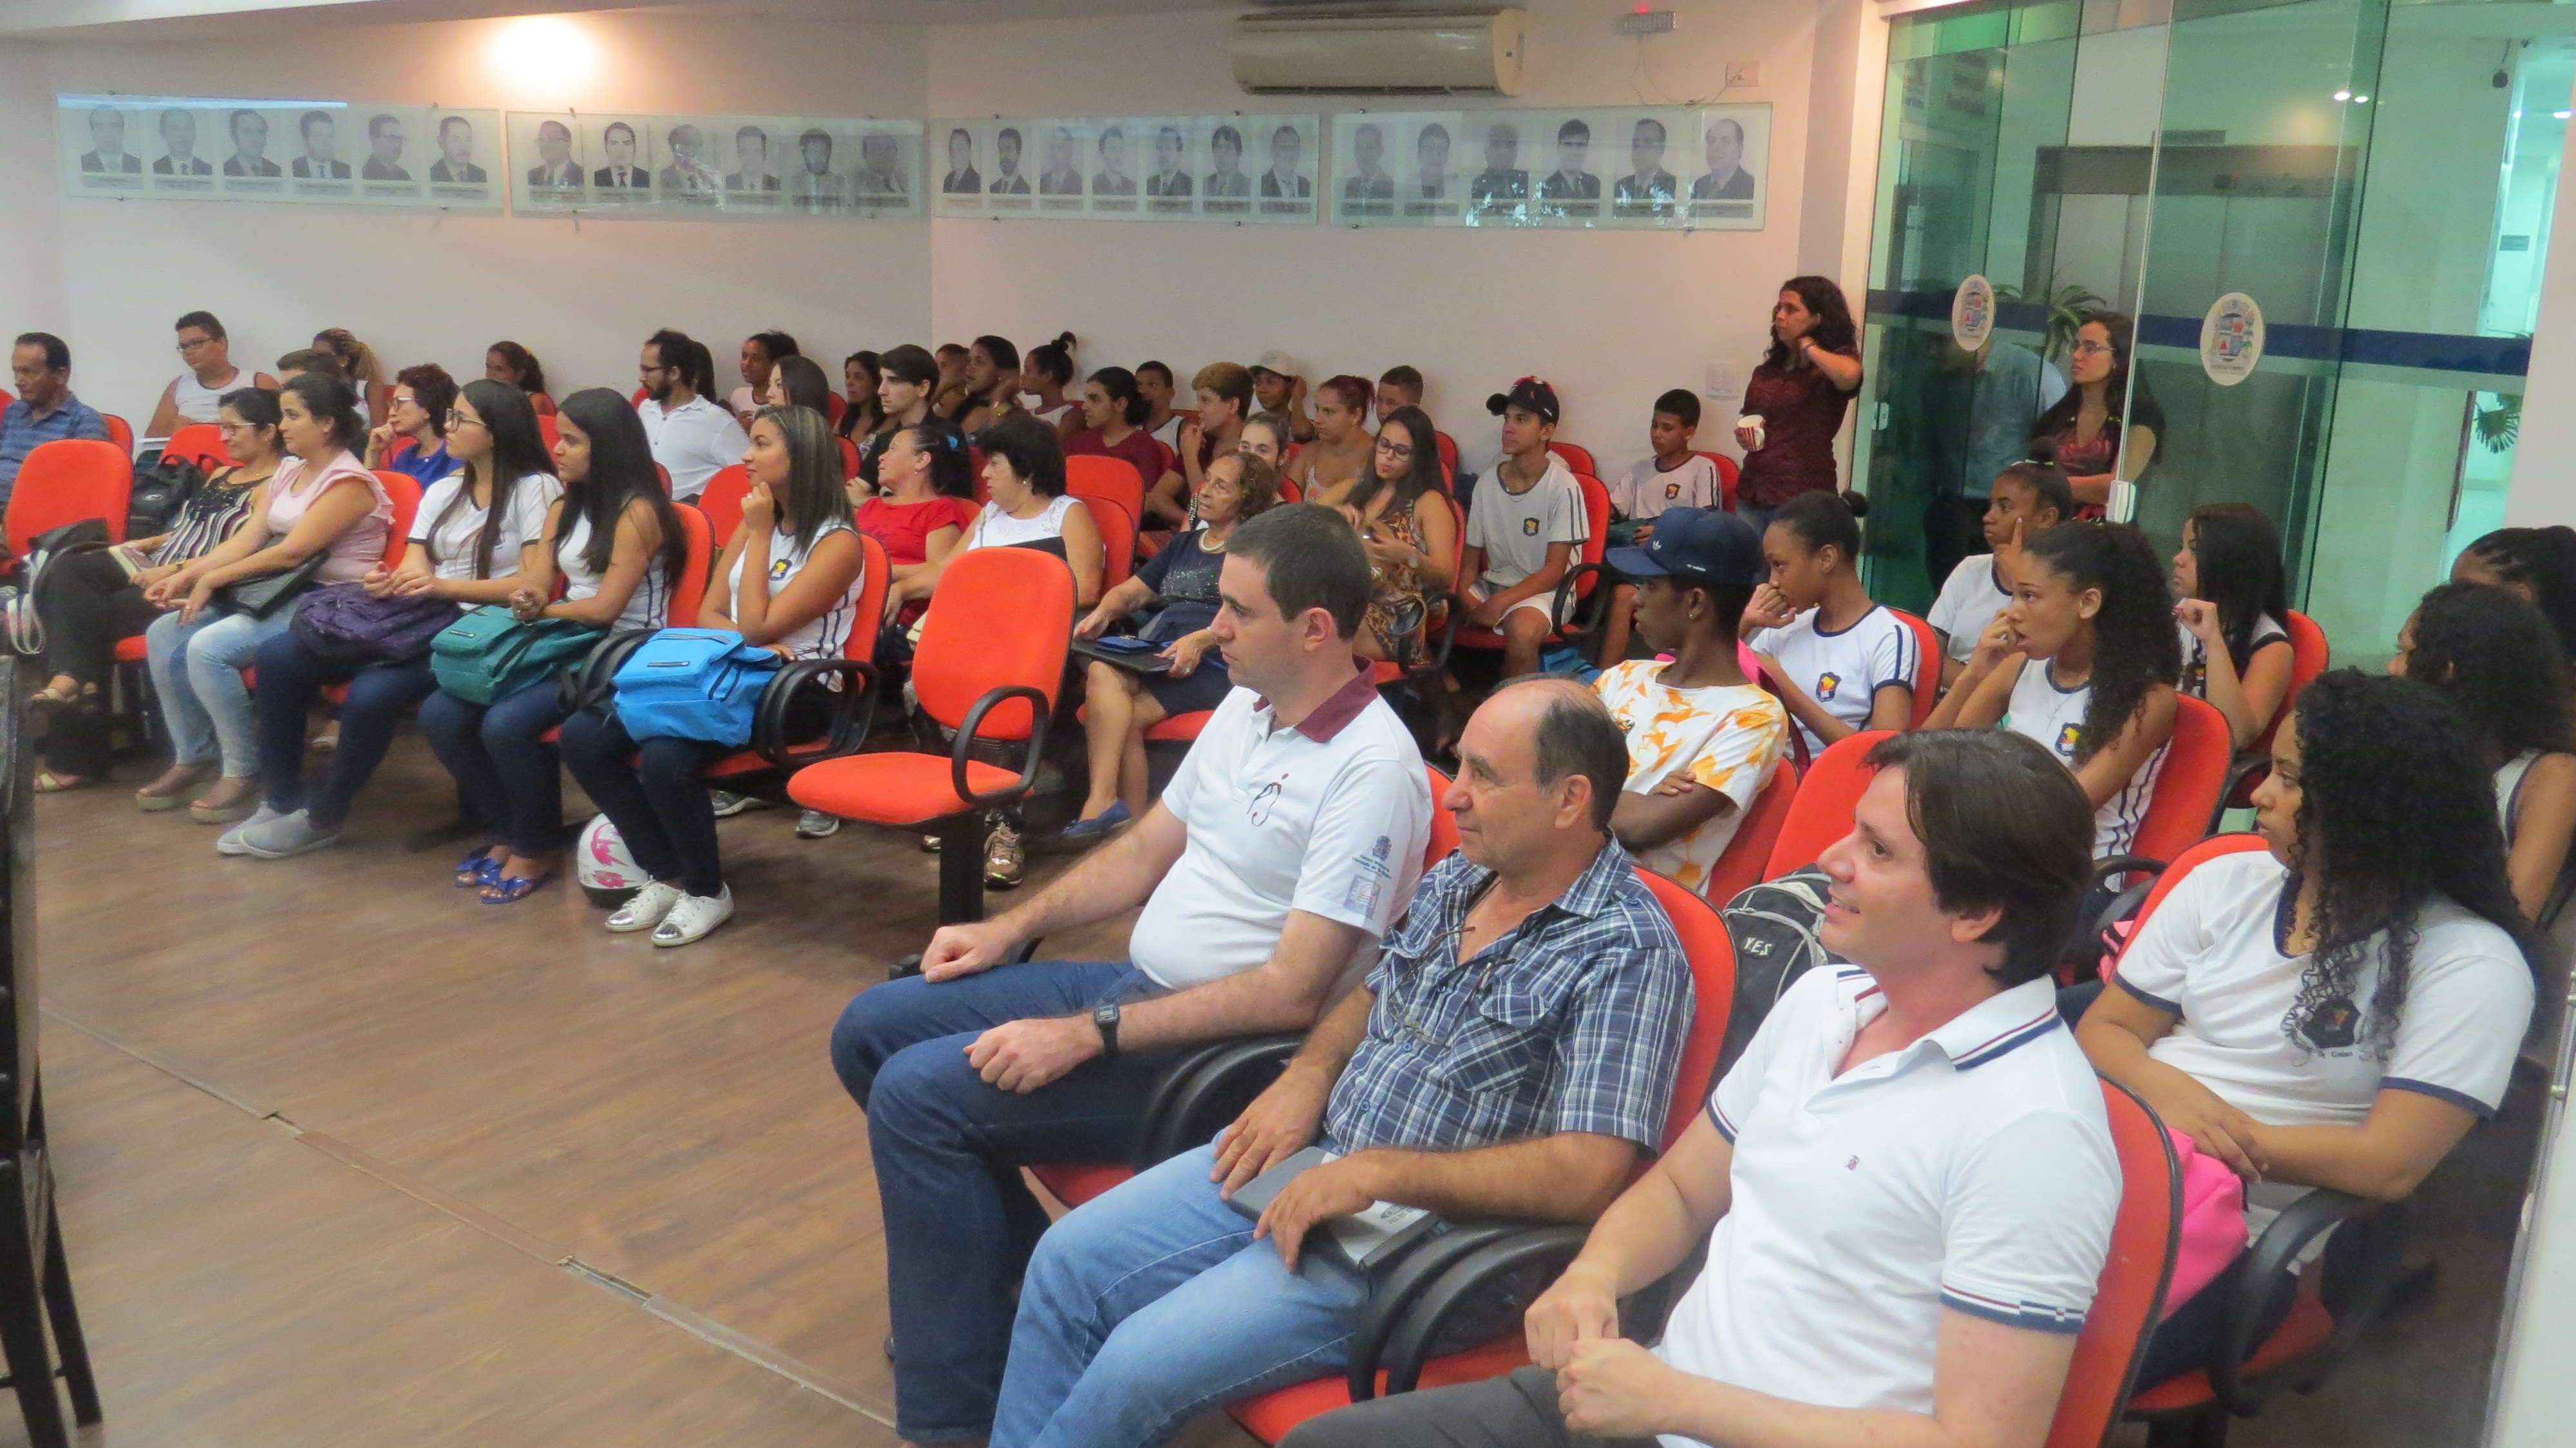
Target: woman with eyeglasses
x=423, y=396
x=1412, y=549
x=90, y=602
x=2100, y=415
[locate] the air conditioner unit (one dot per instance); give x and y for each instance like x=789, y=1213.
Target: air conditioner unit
x=1393, y=54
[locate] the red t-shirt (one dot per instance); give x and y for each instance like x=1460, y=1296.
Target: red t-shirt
x=1801, y=410
x=1137, y=449
x=905, y=528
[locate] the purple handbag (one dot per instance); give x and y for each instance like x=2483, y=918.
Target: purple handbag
x=343, y=624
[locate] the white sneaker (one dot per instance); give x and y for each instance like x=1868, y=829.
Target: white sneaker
x=647, y=908
x=230, y=841
x=813, y=824
x=691, y=919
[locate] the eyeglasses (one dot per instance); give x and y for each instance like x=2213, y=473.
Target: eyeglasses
x=196, y=346
x=229, y=428
x=1395, y=449
x=457, y=419
x=2090, y=348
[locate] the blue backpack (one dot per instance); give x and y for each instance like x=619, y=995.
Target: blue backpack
x=693, y=683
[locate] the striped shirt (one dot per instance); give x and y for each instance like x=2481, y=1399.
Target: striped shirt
x=208, y=517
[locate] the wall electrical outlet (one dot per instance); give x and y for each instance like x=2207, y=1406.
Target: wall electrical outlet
x=1647, y=22
x=1743, y=74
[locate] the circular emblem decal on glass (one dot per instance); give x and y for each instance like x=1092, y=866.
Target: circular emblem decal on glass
x=2231, y=339
x=1972, y=314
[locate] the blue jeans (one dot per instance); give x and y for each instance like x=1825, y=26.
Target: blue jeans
x=959, y=1222
x=196, y=672
x=656, y=795
x=506, y=778
x=291, y=677
x=1755, y=514
x=1153, y=1304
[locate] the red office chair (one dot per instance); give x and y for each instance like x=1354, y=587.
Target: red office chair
x=201, y=443
x=1091, y=476
x=1748, y=855
x=2128, y=1298
x=1448, y=452
x=664, y=474
x=641, y=393
x=833, y=405
x=69, y=480
x=849, y=457
x=1821, y=813
x=1726, y=471
x=1576, y=457
x=989, y=666
x=1117, y=541
x=119, y=432
x=1289, y=492
x=722, y=501
x=689, y=590
x=549, y=431
x=765, y=768
x=2309, y=656
x=1927, y=667
x=2194, y=779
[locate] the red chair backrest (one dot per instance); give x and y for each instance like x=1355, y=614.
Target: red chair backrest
x=1927, y=667
x=2309, y=656
x=2186, y=793
x=1711, y=953
x=1289, y=492
x=689, y=590
x=1726, y=471
x=833, y=404
x=1117, y=541
x=119, y=432
x=999, y=616
x=404, y=489
x=549, y=430
x=66, y=481
x=1094, y=476
x=2183, y=864
x=849, y=457
x=1822, y=811
x=1444, y=825
x=664, y=474
x=201, y=443
x=1596, y=518
x=1448, y=452
x=1576, y=457
x=722, y=500
x=874, y=579
x=1746, y=856
x=2130, y=1294
x=640, y=394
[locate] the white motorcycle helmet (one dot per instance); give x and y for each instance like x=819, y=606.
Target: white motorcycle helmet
x=609, y=875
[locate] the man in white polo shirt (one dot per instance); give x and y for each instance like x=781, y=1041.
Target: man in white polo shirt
x=692, y=436
x=1279, y=856
x=1909, y=1174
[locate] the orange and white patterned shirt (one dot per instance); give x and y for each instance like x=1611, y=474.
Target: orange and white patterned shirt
x=1728, y=738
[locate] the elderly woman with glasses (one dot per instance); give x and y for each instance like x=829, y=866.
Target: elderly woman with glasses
x=424, y=398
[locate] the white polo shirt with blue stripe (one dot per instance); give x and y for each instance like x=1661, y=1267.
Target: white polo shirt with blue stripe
x=1971, y=1171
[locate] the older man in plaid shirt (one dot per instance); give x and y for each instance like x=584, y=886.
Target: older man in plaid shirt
x=1511, y=1054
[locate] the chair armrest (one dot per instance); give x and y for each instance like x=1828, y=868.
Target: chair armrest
x=2094, y=935
x=1039, y=708
x=2273, y=1253
x=1551, y=1246
x=1202, y=1076
x=1413, y=1274
x=853, y=710
x=1597, y=604
x=2239, y=769
x=592, y=682
x=1454, y=612
x=1019, y=954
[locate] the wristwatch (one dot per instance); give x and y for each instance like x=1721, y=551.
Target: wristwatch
x=1105, y=1016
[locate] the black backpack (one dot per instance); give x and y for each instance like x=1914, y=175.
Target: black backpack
x=1773, y=926
x=160, y=491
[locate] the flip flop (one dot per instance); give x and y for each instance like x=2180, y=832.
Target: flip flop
x=48, y=782
x=478, y=871
x=511, y=889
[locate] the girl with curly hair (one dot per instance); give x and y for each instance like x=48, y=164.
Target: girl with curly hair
x=2083, y=660
x=2337, y=1009
x=2232, y=596
x=2537, y=563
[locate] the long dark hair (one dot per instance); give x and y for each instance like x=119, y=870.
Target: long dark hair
x=1833, y=330
x=518, y=449
x=805, y=384
x=813, y=495
x=952, y=474
x=2238, y=554
x=2542, y=560
x=621, y=471
x=1421, y=472
x=2135, y=645
x=863, y=417
x=2124, y=403
x=1120, y=384
x=532, y=376
x=329, y=401
x=2394, y=810
x=2495, y=657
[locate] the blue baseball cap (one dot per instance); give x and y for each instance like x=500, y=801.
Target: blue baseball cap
x=1701, y=546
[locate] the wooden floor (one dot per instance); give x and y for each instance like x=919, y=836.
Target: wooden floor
x=349, y=1159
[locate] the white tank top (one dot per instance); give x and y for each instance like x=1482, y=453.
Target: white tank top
x=997, y=529
x=2054, y=717
x=199, y=403
x=649, y=606
x=826, y=632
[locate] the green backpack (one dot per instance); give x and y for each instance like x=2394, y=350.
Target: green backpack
x=488, y=655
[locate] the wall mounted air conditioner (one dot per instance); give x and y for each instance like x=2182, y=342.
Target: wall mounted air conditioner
x=1392, y=54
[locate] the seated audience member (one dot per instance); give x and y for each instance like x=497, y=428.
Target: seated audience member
x=761, y=352
x=862, y=410
x=1399, y=386
x=2538, y=563
x=693, y=438
x=475, y=539
x=358, y=367
x=323, y=364
x=2083, y=663
x=91, y=601
x=423, y=397
x=788, y=582
x=1841, y=662
x=1674, y=477
x=1181, y=581
x=45, y=411
x=1702, y=739
x=799, y=382
x=921, y=513
x=1932, y=1294
x=2337, y=1009
x=952, y=377
x=992, y=386
x=1329, y=467
x=1523, y=532
x=907, y=378
x=1409, y=546
x=1152, y=1302
x=1154, y=380
x=197, y=394
x=1252, y=921
x=1224, y=394
x=616, y=541
x=2231, y=597
x=1049, y=371
x=321, y=499
x=1265, y=436
x=1113, y=426
x=509, y=362
x=2026, y=498
x=1279, y=385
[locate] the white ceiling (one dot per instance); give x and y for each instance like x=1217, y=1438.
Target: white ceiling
x=165, y=20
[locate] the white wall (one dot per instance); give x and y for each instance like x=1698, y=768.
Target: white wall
x=1613, y=318
x=419, y=287
x=31, y=282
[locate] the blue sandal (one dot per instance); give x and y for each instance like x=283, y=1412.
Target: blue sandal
x=511, y=889
x=478, y=871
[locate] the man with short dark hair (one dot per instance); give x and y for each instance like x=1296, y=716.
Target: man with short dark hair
x=179, y=141
x=555, y=170
x=816, y=186
x=1279, y=856
x=693, y=437
x=1152, y=1300
x=46, y=411
x=1571, y=181
x=250, y=146
x=196, y=395
x=1371, y=183
x=1503, y=185
x=1007, y=180
x=1725, y=179
x=1398, y=386
x=384, y=150
x=321, y=159
x=688, y=174
x=456, y=154
x=107, y=153
x=1647, y=189
x=617, y=143
x=1906, y=1183
x=751, y=162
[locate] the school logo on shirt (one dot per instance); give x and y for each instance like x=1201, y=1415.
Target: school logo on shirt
x=1529, y=527
x=1672, y=490
x=1826, y=684
x=777, y=569
x=1374, y=870
x=2070, y=737
x=2334, y=1025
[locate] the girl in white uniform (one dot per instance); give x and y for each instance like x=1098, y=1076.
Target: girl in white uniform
x=2235, y=649
x=1842, y=663
x=2084, y=661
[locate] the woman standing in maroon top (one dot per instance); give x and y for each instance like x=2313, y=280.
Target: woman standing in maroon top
x=1800, y=392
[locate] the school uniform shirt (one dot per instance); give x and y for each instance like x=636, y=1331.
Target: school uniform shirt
x=1968, y=604
x=1647, y=489
x=2195, y=654
x=450, y=524
x=1971, y=1171
x=822, y=636
x=692, y=442
x=2054, y=718
x=649, y=606
x=2213, y=956
x=1843, y=671
x=1515, y=529
x=1727, y=737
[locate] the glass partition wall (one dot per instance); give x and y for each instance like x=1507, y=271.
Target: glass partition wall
x=2149, y=157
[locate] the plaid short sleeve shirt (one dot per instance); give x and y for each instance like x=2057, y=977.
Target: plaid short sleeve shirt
x=1573, y=1022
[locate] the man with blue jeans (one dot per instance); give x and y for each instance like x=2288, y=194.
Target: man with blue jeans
x=1510, y=1055
x=1277, y=858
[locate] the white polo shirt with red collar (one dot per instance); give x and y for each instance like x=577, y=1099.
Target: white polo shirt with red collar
x=1973, y=1171
x=1329, y=816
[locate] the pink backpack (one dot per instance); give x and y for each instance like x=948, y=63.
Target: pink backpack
x=2212, y=1230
